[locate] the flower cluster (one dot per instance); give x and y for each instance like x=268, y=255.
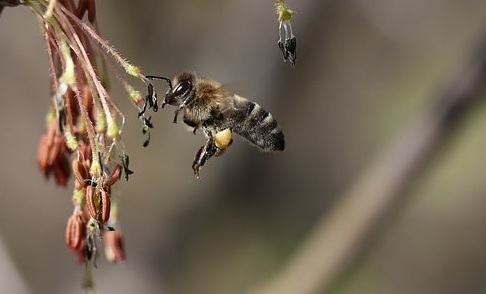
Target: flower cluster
x=287, y=43
x=84, y=125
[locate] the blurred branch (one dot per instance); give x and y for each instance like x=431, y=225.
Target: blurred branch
x=340, y=235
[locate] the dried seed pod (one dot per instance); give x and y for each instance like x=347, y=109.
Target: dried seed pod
x=74, y=232
x=105, y=207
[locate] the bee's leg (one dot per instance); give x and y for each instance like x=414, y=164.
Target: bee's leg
x=203, y=154
x=191, y=124
x=215, y=146
x=182, y=105
x=177, y=113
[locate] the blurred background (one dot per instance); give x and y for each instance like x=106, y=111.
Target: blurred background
x=365, y=71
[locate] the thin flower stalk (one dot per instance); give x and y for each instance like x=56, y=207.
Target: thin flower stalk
x=287, y=41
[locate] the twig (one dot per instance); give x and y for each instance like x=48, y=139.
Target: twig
x=340, y=235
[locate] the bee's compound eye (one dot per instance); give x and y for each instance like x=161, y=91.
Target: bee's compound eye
x=182, y=88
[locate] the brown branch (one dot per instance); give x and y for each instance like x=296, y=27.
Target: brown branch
x=340, y=235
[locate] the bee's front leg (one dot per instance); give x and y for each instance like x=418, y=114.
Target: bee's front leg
x=176, y=114
x=181, y=106
x=203, y=154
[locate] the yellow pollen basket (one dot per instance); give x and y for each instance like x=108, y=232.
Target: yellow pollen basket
x=223, y=139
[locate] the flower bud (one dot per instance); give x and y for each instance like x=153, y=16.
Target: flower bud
x=104, y=215
x=92, y=202
x=74, y=231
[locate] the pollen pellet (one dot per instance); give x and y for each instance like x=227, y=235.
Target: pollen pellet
x=222, y=139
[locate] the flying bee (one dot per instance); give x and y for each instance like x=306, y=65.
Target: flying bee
x=205, y=104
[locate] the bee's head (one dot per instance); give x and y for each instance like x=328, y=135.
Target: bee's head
x=183, y=90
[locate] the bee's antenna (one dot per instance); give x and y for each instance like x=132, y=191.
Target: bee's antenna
x=160, y=78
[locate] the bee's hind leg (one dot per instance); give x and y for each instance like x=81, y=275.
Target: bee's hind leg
x=215, y=146
x=203, y=154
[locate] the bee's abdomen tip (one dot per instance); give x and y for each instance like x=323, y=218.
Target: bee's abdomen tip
x=279, y=145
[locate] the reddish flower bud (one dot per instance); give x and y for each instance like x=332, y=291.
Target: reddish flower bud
x=74, y=231
x=80, y=173
x=51, y=155
x=45, y=145
x=105, y=207
x=42, y=153
x=92, y=202
x=62, y=170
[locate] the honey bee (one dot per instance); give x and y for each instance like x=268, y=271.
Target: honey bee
x=205, y=104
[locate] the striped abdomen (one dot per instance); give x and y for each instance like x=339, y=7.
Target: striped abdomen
x=257, y=125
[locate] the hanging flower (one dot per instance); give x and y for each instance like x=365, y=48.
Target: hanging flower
x=84, y=125
x=287, y=41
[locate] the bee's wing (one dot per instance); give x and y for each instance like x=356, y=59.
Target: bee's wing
x=251, y=121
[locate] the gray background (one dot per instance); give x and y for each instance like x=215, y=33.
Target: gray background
x=365, y=70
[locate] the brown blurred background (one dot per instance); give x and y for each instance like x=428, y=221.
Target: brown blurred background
x=365, y=71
